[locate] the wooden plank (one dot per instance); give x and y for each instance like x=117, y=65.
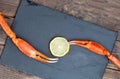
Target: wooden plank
x=116, y=49
x=111, y=74
x=112, y=66
x=8, y=73
x=8, y=9
x=118, y=38
x=11, y=2
x=2, y=37
x=1, y=48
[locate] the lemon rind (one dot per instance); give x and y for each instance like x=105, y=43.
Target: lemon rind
x=68, y=48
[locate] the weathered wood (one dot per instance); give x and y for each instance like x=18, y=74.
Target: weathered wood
x=116, y=49
x=11, y=2
x=7, y=73
x=111, y=74
x=118, y=38
x=2, y=36
x=8, y=9
x=112, y=66
x=1, y=48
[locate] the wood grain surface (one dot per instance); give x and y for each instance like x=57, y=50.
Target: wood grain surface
x=100, y=12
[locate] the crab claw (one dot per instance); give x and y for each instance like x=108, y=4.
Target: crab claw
x=41, y=57
x=31, y=52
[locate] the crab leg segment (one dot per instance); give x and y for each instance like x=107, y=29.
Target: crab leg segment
x=24, y=46
x=96, y=48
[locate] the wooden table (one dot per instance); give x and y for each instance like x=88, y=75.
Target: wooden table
x=101, y=12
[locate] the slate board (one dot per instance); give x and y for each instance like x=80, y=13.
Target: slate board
x=38, y=24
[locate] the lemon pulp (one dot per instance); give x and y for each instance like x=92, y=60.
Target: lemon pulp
x=59, y=46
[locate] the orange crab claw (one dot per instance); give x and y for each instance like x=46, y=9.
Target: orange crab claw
x=96, y=48
x=24, y=46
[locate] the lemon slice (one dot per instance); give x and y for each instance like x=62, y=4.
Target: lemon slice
x=59, y=46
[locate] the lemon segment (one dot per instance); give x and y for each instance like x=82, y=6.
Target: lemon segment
x=59, y=46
